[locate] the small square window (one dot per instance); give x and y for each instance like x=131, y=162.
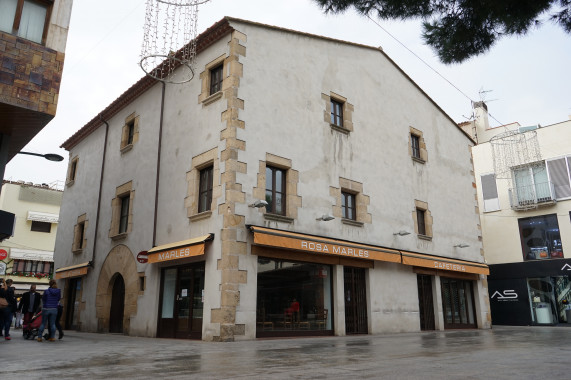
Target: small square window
x=205, y=189
x=41, y=226
x=415, y=144
x=421, y=221
x=348, y=206
x=337, y=113
x=216, y=79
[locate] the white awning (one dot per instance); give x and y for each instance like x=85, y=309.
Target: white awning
x=31, y=254
x=43, y=217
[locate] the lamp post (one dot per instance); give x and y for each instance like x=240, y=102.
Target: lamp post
x=47, y=156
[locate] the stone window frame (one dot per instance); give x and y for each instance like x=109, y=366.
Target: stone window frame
x=362, y=202
x=79, y=238
x=428, y=221
x=121, y=191
x=293, y=199
x=421, y=145
x=199, y=162
x=348, y=110
x=72, y=171
x=205, y=96
x=130, y=121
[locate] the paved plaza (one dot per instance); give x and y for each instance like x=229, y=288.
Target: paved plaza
x=501, y=353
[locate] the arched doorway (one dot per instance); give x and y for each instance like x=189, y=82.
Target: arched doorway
x=117, y=305
x=119, y=257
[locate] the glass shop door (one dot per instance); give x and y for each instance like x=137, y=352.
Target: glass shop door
x=182, y=302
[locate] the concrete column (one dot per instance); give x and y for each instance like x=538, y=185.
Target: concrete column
x=438, y=311
x=339, y=301
x=483, y=318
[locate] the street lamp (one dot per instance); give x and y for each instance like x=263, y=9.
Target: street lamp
x=47, y=156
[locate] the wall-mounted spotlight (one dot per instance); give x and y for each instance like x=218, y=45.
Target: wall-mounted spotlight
x=402, y=233
x=461, y=245
x=258, y=204
x=325, y=217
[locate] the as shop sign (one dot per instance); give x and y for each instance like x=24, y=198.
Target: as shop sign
x=505, y=295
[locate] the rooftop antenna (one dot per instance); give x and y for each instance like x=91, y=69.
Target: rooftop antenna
x=169, y=42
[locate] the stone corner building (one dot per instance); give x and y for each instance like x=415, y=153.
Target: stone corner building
x=368, y=189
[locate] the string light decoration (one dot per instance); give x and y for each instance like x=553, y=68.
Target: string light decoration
x=169, y=43
x=513, y=149
x=517, y=158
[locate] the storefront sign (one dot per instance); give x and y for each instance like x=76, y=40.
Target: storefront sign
x=179, y=250
x=177, y=253
x=322, y=245
x=505, y=295
x=566, y=267
x=3, y=254
x=427, y=261
x=72, y=271
x=78, y=272
x=142, y=257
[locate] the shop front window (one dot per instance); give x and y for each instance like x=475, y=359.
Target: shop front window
x=293, y=298
x=540, y=238
x=542, y=300
x=549, y=298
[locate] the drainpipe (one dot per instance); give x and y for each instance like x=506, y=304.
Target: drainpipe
x=100, y=188
x=158, y=165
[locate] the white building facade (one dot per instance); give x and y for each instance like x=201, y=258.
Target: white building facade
x=525, y=215
x=27, y=257
x=362, y=229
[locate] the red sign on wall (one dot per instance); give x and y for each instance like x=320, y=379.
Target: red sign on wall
x=142, y=257
x=3, y=254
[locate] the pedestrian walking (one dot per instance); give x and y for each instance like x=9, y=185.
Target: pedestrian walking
x=50, y=300
x=29, y=304
x=7, y=292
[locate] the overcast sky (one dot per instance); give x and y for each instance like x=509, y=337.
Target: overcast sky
x=527, y=79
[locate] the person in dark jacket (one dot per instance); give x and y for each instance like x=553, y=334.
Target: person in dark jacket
x=29, y=304
x=50, y=300
x=7, y=292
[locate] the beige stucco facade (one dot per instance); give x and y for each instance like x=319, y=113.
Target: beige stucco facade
x=502, y=243
x=30, y=203
x=270, y=113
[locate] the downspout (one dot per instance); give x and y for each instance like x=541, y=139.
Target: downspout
x=100, y=188
x=158, y=165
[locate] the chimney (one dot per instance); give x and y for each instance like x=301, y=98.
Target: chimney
x=482, y=122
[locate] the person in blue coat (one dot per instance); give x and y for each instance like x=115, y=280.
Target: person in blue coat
x=50, y=300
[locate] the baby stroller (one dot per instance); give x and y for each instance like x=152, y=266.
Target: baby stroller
x=30, y=330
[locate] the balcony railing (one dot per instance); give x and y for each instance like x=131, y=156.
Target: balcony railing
x=532, y=196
